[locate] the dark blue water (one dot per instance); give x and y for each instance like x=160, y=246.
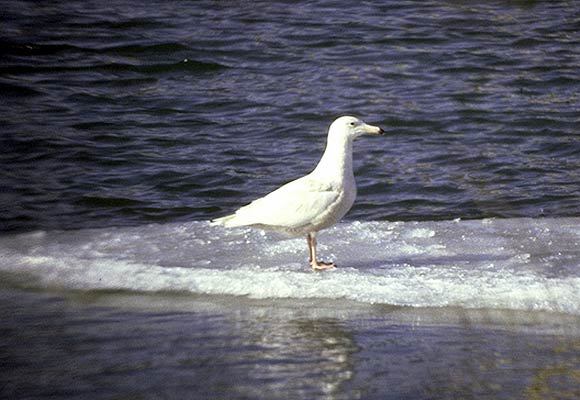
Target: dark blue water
x=126, y=125
x=127, y=113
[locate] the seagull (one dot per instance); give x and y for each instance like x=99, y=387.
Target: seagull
x=315, y=201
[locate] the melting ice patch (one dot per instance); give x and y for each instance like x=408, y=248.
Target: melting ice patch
x=521, y=264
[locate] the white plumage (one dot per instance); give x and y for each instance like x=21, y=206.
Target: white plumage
x=315, y=201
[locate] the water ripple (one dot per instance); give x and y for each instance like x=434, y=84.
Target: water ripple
x=155, y=112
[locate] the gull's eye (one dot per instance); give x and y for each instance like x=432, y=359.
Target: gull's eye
x=352, y=124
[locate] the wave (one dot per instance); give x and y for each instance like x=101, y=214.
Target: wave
x=184, y=65
x=516, y=264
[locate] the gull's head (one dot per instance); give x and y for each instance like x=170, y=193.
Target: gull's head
x=353, y=127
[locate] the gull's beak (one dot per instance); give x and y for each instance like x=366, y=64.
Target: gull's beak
x=373, y=130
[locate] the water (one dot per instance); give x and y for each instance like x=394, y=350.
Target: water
x=127, y=126
x=524, y=264
x=136, y=113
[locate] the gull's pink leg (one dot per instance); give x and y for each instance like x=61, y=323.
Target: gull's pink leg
x=310, y=251
x=314, y=263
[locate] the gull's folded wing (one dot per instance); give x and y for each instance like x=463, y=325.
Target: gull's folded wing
x=297, y=203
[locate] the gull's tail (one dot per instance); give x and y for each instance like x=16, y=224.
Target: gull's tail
x=250, y=214
x=222, y=220
x=229, y=221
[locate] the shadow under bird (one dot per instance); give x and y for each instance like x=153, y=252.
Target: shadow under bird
x=315, y=201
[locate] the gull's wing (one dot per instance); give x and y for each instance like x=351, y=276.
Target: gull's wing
x=293, y=205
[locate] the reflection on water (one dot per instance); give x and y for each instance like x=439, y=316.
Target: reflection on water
x=119, y=345
x=312, y=357
x=334, y=345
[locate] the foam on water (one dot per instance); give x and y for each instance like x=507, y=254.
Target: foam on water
x=520, y=264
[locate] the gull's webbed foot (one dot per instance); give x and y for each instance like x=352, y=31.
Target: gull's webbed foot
x=322, y=266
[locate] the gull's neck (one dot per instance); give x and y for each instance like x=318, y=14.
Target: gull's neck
x=336, y=162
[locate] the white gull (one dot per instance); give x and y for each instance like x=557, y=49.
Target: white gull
x=315, y=201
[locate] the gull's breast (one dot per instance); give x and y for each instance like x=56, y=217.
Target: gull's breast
x=336, y=210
